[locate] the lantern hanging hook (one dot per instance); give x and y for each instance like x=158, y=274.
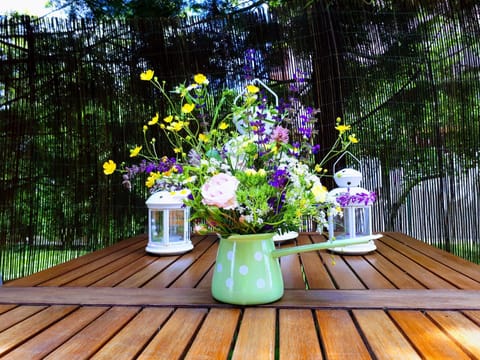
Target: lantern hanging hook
x=341, y=156
x=265, y=86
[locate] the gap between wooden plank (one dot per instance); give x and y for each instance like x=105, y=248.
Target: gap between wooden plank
x=453, y=299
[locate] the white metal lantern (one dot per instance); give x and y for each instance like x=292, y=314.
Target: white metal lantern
x=168, y=223
x=355, y=221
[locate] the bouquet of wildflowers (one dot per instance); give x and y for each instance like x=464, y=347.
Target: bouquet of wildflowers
x=247, y=162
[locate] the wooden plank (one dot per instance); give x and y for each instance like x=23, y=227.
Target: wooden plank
x=384, y=339
x=417, y=271
x=454, y=277
x=5, y=308
x=17, y=315
x=192, y=276
x=298, y=335
x=108, y=269
x=430, y=340
x=175, y=336
x=343, y=277
x=317, y=277
x=291, y=270
x=340, y=336
x=144, y=275
x=367, y=273
x=90, y=339
x=120, y=275
x=174, y=270
x=131, y=264
x=48, y=274
x=473, y=315
x=201, y=297
x=70, y=276
x=29, y=327
x=133, y=338
x=455, y=262
x=256, y=337
x=215, y=337
x=340, y=275
x=397, y=276
x=465, y=332
x=206, y=281
x=54, y=336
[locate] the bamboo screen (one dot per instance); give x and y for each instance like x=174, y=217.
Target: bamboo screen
x=405, y=78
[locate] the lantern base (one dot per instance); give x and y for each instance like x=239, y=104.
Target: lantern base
x=169, y=250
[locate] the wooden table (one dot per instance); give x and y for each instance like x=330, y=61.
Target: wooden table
x=406, y=300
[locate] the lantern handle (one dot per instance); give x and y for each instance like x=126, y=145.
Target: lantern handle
x=260, y=82
x=341, y=156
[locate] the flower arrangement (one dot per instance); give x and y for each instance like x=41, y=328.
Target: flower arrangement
x=245, y=169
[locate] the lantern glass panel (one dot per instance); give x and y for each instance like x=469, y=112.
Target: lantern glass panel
x=338, y=224
x=156, y=226
x=362, y=221
x=354, y=222
x=177, y=225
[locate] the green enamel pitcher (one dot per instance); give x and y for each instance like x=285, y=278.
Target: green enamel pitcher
x=247, y=270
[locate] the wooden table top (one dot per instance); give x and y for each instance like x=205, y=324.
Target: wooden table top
x=405, y=300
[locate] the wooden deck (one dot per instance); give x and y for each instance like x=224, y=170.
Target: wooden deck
x=406, y=300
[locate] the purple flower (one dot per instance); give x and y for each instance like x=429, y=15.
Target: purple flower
x=305, y=131
x=365, y=198
x=194, y=158
x=279, y=178
x=295, y=151
x=276, y=203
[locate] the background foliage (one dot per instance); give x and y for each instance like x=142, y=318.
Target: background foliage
x=405, y=76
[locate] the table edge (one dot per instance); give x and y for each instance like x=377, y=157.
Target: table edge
x=444, y=299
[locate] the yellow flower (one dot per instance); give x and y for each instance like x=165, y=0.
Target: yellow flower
x=145, y=128
x=319, y=192
x=188, y=108
x=177, y=150
x=154, y=120
x=252, y=89
x=147, y=75
x=200, y=79
x=250, y=172
x=168, y=119
x=223, y=125
x=262, y=172
x=203, y=138
x=318, y=168
x=176, y=126
x=353, y=139
x=183, y=192
x=134, y=152
x=109, y=167
x=342, y=128
x=152, y=179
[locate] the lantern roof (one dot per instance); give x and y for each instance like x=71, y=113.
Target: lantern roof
x=167, y=198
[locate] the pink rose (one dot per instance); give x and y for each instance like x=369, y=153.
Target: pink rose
x=220, y=191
